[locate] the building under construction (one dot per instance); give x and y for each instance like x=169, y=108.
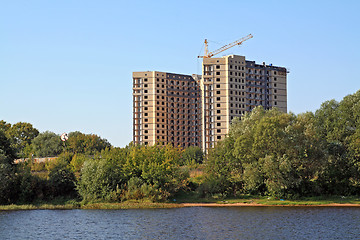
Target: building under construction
x=193, y=110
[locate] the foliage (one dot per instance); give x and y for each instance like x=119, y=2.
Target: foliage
x=4, y=126
x=47, y=144
x=268, y=152
x=21, y=134
x=7, y=154
x=7, y=179
x=88, y=144
x=192, y=155
x=77, y=162
x=133, y=172
x=338, y=123
x=61, y=180
x=99, y=179
x=29, y=187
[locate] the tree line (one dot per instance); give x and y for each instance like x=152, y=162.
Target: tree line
x=287, y=155
x=268, y=153
x=88, y=168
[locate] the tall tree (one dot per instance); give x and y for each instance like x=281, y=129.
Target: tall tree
x=89, y=144
x=21, y=134
x=4, y=125
x=7, y=154
x=47, y=144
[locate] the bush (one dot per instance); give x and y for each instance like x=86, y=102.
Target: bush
x=7, y=180
x=99, y=179
x=61, y=181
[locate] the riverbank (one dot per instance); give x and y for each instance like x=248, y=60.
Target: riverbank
x=248, y=202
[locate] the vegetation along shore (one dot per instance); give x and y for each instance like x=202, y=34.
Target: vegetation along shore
x=269, y=158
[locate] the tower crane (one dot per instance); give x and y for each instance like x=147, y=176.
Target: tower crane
x=223, y=48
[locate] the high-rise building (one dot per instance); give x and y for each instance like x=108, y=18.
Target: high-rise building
x=197, y=110
x=166, y=108
x=231, y=86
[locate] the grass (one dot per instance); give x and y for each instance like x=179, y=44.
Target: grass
x=188, y=197
x=310, y=201
x=129, y=205
x=192, y=197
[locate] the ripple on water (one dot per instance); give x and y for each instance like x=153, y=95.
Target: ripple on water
x=184, y=223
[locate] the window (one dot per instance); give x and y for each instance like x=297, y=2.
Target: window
x=218, y=105
x=218, y=86
x=218, y=137
x=218, y=111
x=218, y=130
x=217, y=73
x=275, y=103
x=217, y=92
x=217, y=66
x=218, y=79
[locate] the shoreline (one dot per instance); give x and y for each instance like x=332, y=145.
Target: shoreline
x=149, y=205
x=268, y=205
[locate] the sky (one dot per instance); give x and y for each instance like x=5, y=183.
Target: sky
x=67, y=65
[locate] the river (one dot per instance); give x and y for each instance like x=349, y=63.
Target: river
x=184, y=223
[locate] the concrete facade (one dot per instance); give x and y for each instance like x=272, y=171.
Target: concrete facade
x=166, y=108
x=192, y=110
x=232, y=86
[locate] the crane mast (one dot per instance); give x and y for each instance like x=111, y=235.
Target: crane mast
x=223, y=48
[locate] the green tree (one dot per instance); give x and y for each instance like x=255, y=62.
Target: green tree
x=192, y=155
x=132, y=172
x=7, y=179
x=99, y=179
x=338, y=122
x=7, y=154
x=61, y=180
x=21, y=134
x=7, y=171
x=88, y=144
x=47, y=144
x=77, y=162
x=4, y=126
x=268, y=152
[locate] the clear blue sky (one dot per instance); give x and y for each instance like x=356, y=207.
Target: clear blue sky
x=67, y=65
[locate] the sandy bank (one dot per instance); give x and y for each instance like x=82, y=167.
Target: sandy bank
x=266, y=205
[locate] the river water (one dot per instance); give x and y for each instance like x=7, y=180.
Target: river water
x=184, y=223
